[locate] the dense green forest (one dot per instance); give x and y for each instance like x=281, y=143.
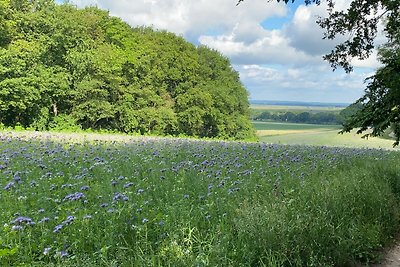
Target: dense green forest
x=64, y=67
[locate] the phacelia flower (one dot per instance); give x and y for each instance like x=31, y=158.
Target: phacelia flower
x=23, y=220
x=119, y=196
x=74, y=196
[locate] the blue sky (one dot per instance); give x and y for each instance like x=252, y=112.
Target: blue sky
x=276, y=48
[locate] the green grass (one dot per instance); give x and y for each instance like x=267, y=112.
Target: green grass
x=282, y=126
x=317, y=135
x=179, y=202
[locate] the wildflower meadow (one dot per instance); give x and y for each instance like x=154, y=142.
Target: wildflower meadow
x=181, y=202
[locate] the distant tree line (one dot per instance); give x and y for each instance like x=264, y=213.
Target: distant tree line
x=303, y=117
x=61, y=66
x=328, y=118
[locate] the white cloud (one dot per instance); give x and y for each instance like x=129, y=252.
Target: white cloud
x=188, y=17
x=371, y=62
x=259, y=73
x=299, y=42
x=313, y=83
x=282, y=64
x=272, y=47
x=305, y=34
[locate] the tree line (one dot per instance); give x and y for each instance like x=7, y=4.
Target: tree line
x=327, y=118
x=61, y=66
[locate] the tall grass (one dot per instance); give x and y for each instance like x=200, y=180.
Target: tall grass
x=175, y=202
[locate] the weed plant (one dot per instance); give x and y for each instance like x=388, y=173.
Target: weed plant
x=178, y=202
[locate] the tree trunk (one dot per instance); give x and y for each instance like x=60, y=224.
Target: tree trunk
x=55, y=110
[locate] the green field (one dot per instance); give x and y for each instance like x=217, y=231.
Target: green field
x=294, y=109
x=117, y=200
x=320, y=135
x=280, y=126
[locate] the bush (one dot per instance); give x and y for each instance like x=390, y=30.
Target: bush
x=64, y=123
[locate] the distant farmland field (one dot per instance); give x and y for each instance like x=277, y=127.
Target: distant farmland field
x=285, y=128
x=313, y=134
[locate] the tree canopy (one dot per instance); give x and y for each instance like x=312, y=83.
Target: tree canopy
x=64, y=66
x=381, y=101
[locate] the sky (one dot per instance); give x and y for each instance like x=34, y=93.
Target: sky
x=276, y=48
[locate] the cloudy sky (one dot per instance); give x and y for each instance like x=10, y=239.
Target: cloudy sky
x=276, y=48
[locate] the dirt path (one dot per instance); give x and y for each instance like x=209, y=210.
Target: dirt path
x=391, y=258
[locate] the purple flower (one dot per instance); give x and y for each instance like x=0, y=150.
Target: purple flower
x=23, y=220
x=63, y=254
x=119, y=196
x=111, y=210
x=139, y=191
x=69, y=220
x=85, y=188
x=58, y=228
x=9, y=185
x=17, y=178
x=128, y=185
x=104, y=205
x=44, y=220
x=74, y=196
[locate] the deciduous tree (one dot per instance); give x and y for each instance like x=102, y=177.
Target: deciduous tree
x=60, y=65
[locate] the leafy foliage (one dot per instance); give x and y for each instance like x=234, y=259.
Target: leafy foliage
x=97, y=71
x=381, y=102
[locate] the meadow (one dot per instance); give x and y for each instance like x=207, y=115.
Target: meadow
x=78, y=200
x=282, y=128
